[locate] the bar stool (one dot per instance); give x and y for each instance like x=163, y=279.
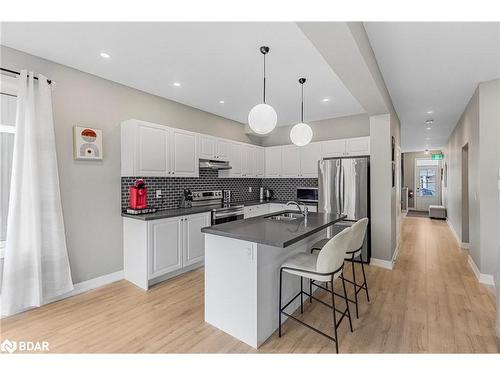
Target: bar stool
x=323, y=266
x=356, y=245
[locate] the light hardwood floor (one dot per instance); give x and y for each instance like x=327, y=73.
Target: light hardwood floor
x=429, y=303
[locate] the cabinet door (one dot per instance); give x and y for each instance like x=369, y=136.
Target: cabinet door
x=248, y=162
x=185, y=161
x=333, y=148
x=235, y=156
x=194, y=239
x=291, y=161
x=207, y=147
x=309, y=157
x=260, y=162
x=165, y=246
x=153, y=146
x=358, y=146
x=273, y=162
x=222, y=150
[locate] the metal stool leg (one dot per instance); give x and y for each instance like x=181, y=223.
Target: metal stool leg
x=347, y=303
x=310, y=291
x=355, y=291
x=301, y=295
x=279, y=312
x=334, y=320
x=364, y=277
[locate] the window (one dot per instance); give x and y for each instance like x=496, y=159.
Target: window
x=8, y=102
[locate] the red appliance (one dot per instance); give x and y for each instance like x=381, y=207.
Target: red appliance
x=138, y=195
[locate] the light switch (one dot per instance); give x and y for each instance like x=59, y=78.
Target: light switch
x=158, y=193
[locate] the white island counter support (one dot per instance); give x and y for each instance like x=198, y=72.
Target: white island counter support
x=242, y=285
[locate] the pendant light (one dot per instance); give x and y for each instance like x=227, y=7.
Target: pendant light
x=301, y=134
x=262, y=118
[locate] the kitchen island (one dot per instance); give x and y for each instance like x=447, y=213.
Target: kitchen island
x=242, y=261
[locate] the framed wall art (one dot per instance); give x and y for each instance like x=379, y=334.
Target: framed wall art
x=87, y=143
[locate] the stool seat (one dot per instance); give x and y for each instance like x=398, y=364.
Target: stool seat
x=318, y=245
x=304, y=264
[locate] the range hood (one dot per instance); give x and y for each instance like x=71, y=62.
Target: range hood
x=216, y=165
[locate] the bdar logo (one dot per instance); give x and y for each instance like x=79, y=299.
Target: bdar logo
x=8, y=346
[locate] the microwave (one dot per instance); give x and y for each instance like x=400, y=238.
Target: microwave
x=307, y=194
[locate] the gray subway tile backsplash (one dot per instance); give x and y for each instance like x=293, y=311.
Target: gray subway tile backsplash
x=172, y=187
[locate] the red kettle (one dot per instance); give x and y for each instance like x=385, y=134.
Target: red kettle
x=138, y=195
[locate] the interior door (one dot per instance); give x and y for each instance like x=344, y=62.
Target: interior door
x=427, y=186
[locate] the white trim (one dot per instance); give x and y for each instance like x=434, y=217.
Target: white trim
x=7, y=129
x=455, y=235
x=387, y=264
x=396, y=253
x=465, y=245
x=87, y=285
x=481, y=277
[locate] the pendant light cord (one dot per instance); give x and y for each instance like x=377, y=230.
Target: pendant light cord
x=302, y=105
x=264, y=78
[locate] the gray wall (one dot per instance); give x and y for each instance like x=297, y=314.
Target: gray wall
x=336, y=128
x=90, y=191
x=479, y=127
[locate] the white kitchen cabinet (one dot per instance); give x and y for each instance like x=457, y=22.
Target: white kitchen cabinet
x=273, y=161
x=260, y=162
x=358, y=146
x=334, y=148
x=222, y=149
x=152, y=149
x=159, y=249
x=165, y=249
x=235, y=161
x=309, y=157
x=290, y=165
x=194, y=239
x=207, y=147
x=248, y=161
x=184, y=156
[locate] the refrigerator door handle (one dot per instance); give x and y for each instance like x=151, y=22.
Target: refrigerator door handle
x=338, y=185
x=342, y=190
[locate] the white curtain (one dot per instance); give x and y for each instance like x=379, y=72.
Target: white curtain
x=36, y=266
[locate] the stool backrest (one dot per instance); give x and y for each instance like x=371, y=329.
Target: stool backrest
x=358, y=231
x=331, y=257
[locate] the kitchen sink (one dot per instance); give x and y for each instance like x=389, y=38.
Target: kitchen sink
x=285, y=216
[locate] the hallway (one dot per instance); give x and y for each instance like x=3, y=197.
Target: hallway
x=429, y=303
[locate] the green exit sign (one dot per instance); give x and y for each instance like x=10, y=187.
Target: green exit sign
x=437, y=156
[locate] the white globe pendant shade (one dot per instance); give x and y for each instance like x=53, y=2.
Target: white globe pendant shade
x=301, y=134
x=262, y=118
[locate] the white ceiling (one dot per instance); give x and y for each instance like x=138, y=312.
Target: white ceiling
x=212, y=61
x=433, y=66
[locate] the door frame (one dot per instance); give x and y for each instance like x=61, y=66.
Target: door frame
x=416, y=182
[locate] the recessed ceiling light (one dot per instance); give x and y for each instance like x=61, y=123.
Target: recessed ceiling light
x=221, y=101
x=326, y=100
x=105, y=55
x=427, y=139
x=427, y=152
x=428, y=128
x=430, y=121
x=177, y=84
x=430, y=112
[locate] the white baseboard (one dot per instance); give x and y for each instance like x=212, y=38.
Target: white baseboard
x=481, y=277
x=387, y=264
x=454, y=233
x=87, y=285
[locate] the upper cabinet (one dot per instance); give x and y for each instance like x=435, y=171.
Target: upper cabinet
x=273, y=161
x=359, y=146
x=213, y=148
x=152, y=150
x=155, y=150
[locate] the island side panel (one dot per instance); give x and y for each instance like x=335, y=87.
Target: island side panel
x=269, y=261
x=135, y=252
x=231, y=287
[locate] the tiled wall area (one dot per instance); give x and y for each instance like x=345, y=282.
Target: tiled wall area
x=172, y=187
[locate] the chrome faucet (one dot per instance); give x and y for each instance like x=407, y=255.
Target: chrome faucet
x=304, y=211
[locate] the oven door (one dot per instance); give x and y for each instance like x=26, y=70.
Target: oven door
x=219, y=217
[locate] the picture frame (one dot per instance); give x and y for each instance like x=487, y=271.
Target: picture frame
x=87, y=143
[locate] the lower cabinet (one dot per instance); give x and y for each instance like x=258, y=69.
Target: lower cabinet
x=162, y=248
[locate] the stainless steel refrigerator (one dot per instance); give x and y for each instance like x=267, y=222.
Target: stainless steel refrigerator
x=344, y=188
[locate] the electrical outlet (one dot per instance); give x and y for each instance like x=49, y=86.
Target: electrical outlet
x=158, y=193
x=249, y=189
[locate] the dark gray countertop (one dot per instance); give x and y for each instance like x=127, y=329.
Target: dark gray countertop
x=163, y=214
x=265, y=231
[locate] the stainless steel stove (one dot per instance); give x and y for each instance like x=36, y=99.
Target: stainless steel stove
x=221, y=212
